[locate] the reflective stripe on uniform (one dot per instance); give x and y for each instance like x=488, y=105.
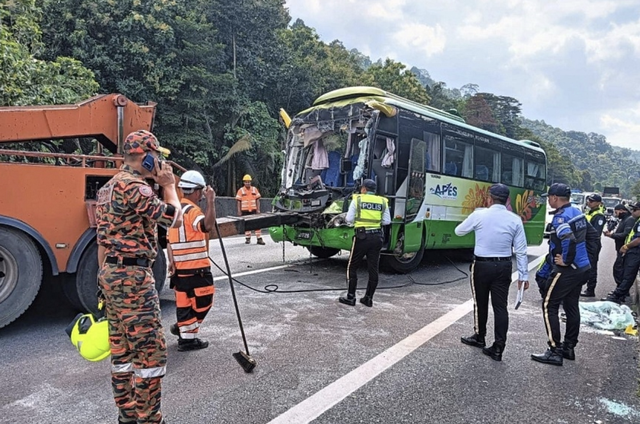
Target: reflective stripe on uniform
x=189, y=331
x=119, y=368
x=150, y=372
x=248, y=199
x=196, y=222
x=545, y=309
x=188, y=245
x=190, y=257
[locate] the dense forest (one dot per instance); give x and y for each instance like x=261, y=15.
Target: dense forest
x=220, y=70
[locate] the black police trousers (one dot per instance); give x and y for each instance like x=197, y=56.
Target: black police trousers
x=618, y=268
x=370, y=247
x=562, y=288
x=491, y=278
x=592, y=274
x=630, y=272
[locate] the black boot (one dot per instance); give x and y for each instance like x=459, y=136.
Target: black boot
x=568, y=352
x=588, y=293
x=185, y=345
x=475, y=340
x=494, y=352
x=350, y=299
x=174, y=330
x=366, y=301
x=552, y=356
x=613, y=297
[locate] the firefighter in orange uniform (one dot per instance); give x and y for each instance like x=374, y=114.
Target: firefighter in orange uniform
x=189, y=261
x=248, y=198
x=128, y=212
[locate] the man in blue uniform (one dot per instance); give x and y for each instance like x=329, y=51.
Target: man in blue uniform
x=563, y=273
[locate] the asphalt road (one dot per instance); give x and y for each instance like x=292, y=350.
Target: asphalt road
x=319, y=361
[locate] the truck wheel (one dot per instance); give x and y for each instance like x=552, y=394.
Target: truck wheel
x=20, y=274
x=69, y=290
x=87, y=276
x=323, y=252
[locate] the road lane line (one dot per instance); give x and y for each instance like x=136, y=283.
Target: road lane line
x=257, y=271
x=325, y=399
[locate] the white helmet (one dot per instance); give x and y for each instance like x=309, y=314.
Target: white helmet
x=192, y=180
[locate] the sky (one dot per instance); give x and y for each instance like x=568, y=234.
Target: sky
x=574, y=64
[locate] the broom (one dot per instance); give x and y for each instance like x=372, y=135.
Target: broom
x=244, y=359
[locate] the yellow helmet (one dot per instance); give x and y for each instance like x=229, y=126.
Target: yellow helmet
x=90, y=337
x=247, y=177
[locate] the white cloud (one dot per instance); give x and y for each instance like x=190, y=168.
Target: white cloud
x=572, y=63
x=623, y=126
x=425, y=39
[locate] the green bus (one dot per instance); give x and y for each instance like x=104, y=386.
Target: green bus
x=433, y=167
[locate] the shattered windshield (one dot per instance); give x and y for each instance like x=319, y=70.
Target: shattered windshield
x=327, y=147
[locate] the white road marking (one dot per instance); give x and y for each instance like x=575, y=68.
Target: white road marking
x=257, y=271
x=323, y=400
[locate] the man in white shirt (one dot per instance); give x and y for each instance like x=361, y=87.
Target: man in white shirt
x=499, y=233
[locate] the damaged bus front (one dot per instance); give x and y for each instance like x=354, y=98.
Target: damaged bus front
x=408, y=149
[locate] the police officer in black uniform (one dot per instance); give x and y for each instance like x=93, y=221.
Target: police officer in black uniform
x=368, y=212
x=597, y=219
x=619, y=235
x=630, y=251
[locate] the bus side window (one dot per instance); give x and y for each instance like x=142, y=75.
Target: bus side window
x=458, y=158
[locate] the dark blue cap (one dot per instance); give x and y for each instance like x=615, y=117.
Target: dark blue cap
x=369, y=184
x=559, y=189
x=500, y=191
x=594, y=198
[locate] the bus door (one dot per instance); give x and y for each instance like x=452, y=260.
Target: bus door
x=415, y=191
x=384, y=170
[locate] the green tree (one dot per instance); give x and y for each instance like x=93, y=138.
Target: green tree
x=478, y=113
x=25, y=79
x=393, y=76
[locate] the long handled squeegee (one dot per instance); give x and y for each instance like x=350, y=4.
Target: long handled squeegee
x=244, y=359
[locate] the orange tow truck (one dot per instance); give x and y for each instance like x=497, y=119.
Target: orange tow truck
x=47, y=199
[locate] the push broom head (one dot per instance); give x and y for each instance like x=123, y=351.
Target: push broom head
x=246, y=362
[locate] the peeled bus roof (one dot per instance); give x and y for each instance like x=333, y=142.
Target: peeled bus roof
x=345, y=96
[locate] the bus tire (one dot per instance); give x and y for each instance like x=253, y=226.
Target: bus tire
x=405, y=263
x=87, y=277
x=20, y=274
x=323, y=252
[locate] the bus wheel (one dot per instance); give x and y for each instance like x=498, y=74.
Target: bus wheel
x=405, y=262
x=323, y=252
x=87, y=276
x=20, y=274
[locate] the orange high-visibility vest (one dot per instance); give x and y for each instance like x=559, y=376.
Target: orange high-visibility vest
x=248, y=199
x=189, y=241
